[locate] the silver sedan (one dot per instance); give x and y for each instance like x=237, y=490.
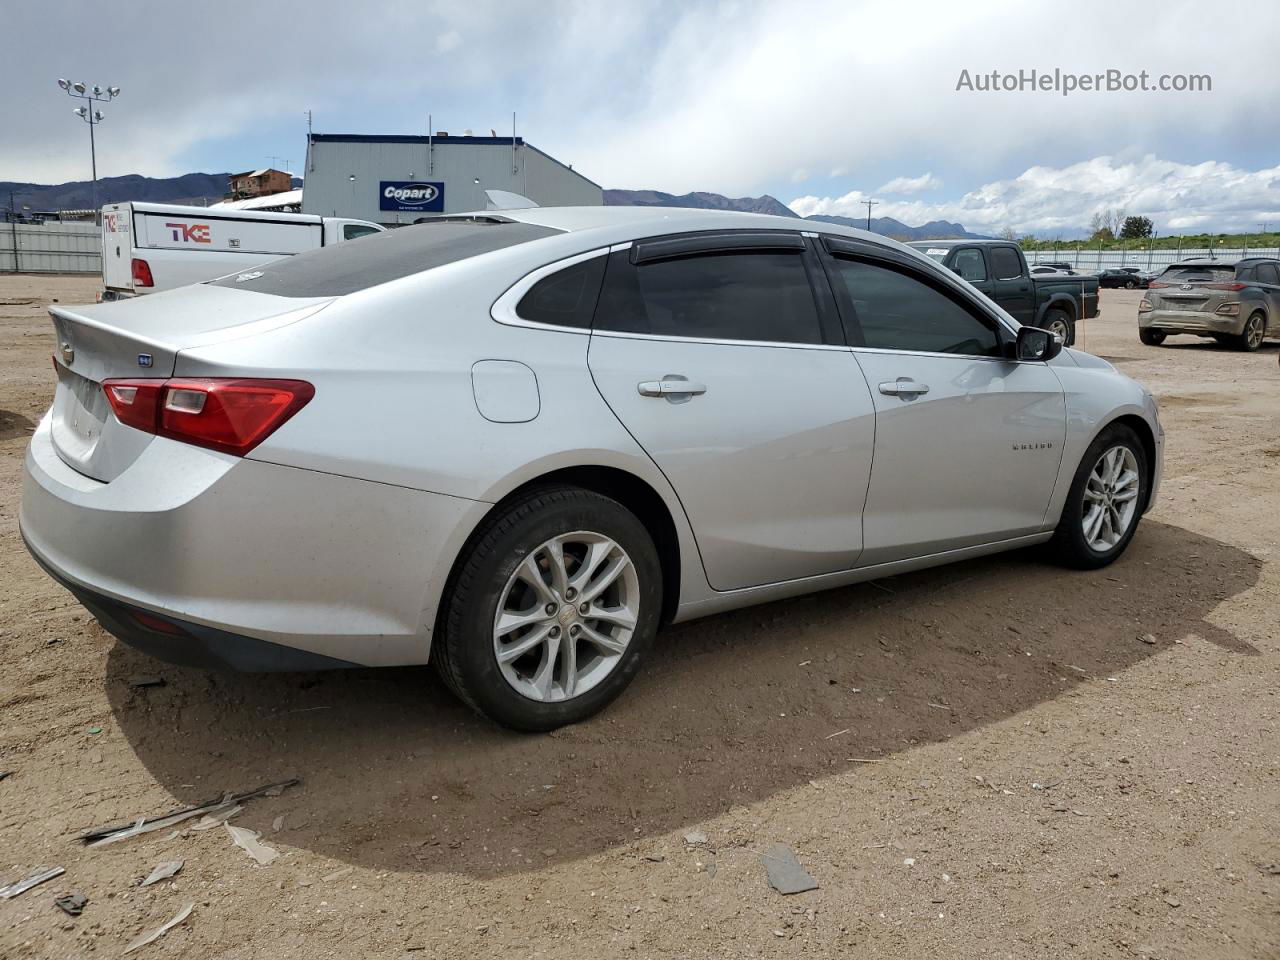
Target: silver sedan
x=517, y=444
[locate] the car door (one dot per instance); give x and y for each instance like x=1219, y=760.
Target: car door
x=1269, y=280
x=726, y=363
x=969, y=264
x=968, y=443
x=1014, y=290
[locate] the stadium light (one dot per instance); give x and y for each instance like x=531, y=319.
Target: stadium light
x=92, y=117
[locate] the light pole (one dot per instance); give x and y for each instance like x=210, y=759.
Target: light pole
x=92, y=117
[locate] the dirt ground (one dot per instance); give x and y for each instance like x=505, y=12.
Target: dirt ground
x=1036, y=779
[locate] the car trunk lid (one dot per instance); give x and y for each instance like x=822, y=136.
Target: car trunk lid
x=140, y=338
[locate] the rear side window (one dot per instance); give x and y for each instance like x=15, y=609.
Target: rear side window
x=1005, y=264
x=344, y=268
x=895, y=310
x=354, y=231
x=763, y=296
x=1267, y=273
x=969, y=265
x=567, y=298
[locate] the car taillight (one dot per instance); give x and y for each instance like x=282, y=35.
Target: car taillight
x=1226, y=286
x=142, y=274
x=228, y=414
x=1156, y=283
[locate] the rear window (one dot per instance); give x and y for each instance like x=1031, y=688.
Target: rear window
x=1210, y=273
x=348, y=267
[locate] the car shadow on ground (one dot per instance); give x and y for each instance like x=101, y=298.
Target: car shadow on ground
x=728, y=710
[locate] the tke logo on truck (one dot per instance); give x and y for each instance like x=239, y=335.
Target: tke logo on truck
x=410, y=195
x=190, y=232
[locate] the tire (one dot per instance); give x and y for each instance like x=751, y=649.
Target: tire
x=1151, y=336
x=1071, y=544
x=1130, y=284
x=1253, y=333
x=495, y=573
x=1060, y=322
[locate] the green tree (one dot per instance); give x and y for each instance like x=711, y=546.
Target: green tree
x=1136, y=228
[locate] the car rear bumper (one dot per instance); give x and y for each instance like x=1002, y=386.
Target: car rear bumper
x=1190, y=321
x=257, y=565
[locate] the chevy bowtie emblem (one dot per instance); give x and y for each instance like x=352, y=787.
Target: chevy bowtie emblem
x=68, y=353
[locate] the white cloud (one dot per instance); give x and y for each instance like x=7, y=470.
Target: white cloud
x=448, y=41
x=1178, y=197
x=902, y=185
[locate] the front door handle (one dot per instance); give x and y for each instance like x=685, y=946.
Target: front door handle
x=674, y=386
x=903, y=387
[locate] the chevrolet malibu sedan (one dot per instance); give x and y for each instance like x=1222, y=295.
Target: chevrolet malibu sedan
x=517, y=444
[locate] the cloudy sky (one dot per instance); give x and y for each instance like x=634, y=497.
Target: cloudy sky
x=821, y=104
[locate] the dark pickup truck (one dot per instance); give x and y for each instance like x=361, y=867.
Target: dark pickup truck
x=998, y=269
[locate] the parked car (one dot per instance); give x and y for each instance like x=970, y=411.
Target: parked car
x=1131, y=278
x=149, y=247
x=999, y=269
x=1056, y=264
x=1045, y=269
x=516, y=444
x=1235, y=302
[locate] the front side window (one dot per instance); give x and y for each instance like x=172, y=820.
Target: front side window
x=1005, y=263
x=970, y=266
x=740, y=295
x=566, y=298
x=896, y=310
x=353, y=231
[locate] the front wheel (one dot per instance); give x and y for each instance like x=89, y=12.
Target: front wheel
x=1130, y=284
x=1151, y=336
x=1058, y=322
x=548, y=617
x=1105, y=501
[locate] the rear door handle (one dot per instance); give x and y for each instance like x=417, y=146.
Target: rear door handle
x=903, y=387
x=673, y=386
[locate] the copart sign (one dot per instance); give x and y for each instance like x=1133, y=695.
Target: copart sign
x=411, y=195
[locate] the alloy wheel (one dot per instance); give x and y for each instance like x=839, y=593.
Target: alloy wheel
x=1254, y=331
x=566, y=616
x=1110, y=498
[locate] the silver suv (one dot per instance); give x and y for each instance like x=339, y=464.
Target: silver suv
x=1236, y=303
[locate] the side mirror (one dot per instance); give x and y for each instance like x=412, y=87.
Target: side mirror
x=1036, y=344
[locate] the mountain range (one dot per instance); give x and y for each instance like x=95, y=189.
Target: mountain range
x=194, y=189
x=199, y=189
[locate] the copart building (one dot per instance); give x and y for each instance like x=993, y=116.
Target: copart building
x=397, y=179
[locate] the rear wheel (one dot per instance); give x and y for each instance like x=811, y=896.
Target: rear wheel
x=1151, y=336
x=1105, y=501
x=555, y=603
x=1130, y=284
x=1253, y=333
x=1059, y=322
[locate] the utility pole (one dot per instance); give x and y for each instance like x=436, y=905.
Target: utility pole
x=869, y=204
x=13, y=231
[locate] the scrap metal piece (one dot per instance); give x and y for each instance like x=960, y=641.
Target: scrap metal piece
x=72, y=904
x=247, y=840
x=99, y=835
x=36, y=877
x=784, y=870
x=163, y=871
x=160, y=931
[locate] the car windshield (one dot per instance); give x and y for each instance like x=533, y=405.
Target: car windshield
x=935, y=253
x=344, y=268
x=1198, y=274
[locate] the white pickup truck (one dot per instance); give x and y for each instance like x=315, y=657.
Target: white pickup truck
x=148, y=247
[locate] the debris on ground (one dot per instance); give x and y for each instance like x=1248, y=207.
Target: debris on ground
x=337, y=874
x=163, y=871
x=146, y=680
x=161, y=930
x=695, y=838
x=72, y=904
x=217, y=817
x=247, y=840
x=97, y=836
x=36, y=877
x=784, y=870
x=5, y=774
x=277, y=824
x=654, y=857
x=1148, y=639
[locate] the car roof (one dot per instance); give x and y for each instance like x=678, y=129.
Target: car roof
x=986, y=241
